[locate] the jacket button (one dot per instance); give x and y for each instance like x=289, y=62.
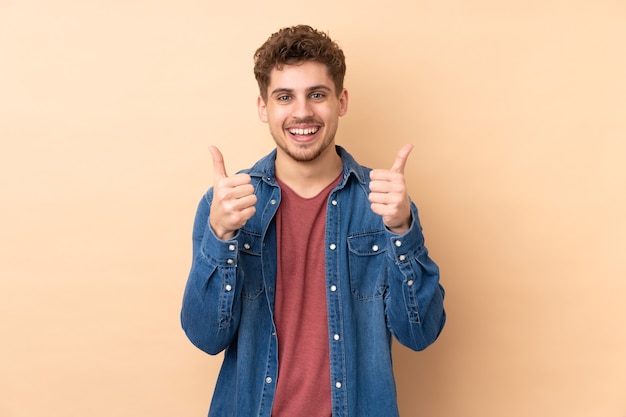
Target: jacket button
x=268, y=380
x=333, y=246
x=338, y=384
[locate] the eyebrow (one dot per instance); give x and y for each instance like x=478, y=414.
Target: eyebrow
x=290, y=90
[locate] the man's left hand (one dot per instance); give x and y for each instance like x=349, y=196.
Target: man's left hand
x=388, y=193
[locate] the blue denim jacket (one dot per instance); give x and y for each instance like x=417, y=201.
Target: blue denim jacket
x=379, y=284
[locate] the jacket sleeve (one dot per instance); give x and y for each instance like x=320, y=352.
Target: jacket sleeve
x=211, y=303
x=414, y=296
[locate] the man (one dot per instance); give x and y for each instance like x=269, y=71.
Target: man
x=306, y=264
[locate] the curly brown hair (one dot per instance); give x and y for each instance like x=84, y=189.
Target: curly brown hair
x=295, y=45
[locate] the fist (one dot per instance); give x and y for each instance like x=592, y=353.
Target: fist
x=388, y=193
x=233, y=199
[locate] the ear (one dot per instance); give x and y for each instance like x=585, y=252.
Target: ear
x=262, y=109
x=343, y=102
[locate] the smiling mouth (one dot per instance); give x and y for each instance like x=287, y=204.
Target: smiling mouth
x=304, y=132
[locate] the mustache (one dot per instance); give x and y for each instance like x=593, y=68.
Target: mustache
x=306, y=121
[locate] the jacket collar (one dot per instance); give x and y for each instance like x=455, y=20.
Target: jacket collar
x=264, y=168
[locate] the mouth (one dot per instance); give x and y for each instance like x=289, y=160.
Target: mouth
x=303, y=134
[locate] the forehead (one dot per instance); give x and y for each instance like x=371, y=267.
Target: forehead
x=300, y=76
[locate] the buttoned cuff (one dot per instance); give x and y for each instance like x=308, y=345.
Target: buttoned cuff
x=224, y=253
x=408, y=245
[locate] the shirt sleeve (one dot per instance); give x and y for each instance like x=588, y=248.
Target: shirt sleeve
x=211, y=304
x=414, y=297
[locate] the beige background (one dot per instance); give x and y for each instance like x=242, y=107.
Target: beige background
x=517, y=110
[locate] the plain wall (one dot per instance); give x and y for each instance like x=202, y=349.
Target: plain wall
x=517, y=110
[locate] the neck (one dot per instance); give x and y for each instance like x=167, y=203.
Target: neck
x=307, y=179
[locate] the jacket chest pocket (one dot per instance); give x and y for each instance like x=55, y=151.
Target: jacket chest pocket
x=251, y=245
x=366, y=261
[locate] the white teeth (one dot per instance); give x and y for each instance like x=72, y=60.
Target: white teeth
x=309, y=131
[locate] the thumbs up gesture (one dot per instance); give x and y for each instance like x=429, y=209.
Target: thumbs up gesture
x=388, y=193
x=233, y=199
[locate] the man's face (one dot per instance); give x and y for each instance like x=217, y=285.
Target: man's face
x=302, y=110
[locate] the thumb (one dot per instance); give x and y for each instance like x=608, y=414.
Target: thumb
x=219, y=170
x=401, y=157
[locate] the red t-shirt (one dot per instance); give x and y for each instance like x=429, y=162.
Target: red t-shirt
x=300, y=313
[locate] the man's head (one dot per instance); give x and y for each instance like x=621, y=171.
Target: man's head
x=295, y=45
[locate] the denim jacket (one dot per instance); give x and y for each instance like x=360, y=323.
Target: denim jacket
x=378, y=284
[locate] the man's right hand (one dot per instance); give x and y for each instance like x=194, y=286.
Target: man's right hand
x=233, y=199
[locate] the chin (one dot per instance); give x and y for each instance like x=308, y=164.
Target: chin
x=306, y=152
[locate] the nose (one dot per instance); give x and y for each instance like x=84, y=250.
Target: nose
x=302, y=109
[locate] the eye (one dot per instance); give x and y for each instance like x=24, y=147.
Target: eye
x=317, y=96
x=283, y=98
